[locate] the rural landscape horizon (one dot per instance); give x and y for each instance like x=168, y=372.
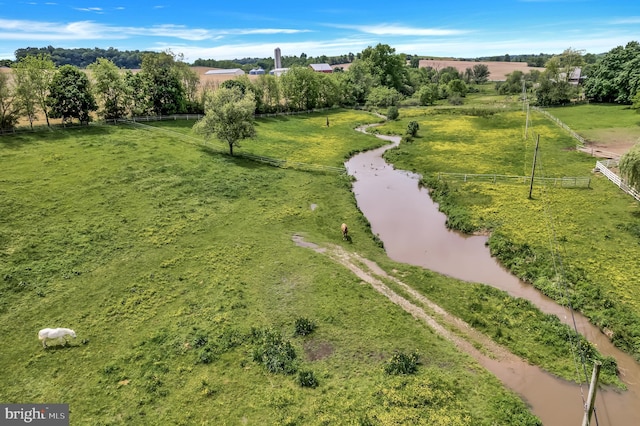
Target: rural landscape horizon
x=228, y=31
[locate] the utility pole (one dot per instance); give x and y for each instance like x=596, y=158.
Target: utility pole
x=526, y=123
x=591, y=399
x=533, y=169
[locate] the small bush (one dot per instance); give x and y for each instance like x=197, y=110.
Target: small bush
x=275, y=353
x=412, y=128
x=392, y=113
x=307, y=379
x=401, y=363
x=304, y=327
x=205, y=356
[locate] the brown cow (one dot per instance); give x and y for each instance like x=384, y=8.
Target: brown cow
x=345, y=231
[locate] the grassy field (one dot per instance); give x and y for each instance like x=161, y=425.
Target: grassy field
x=610, y=125
x=175, y=265
x=592, y=232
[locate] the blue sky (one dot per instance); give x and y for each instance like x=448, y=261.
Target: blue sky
x=231, y=29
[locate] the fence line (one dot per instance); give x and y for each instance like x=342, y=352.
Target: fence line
x=582, y=141
x=602, y=167
x=563, y=182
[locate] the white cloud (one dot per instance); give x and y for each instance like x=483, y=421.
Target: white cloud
x=630, y=20
x=88, y=9
x=90, y=30
x=400, y=30
x=246, y=50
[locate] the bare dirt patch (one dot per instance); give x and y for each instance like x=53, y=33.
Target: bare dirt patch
x=317, y=350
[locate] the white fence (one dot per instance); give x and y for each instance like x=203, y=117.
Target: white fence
x=562, y=182
x=602, y=167
x=580, y=139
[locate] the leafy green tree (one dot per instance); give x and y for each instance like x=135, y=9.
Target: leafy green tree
x=448, y=74
x=630, y=167
x=388, y=67
x=415, y=62
x=70, y=95
x=110, y=88
x=357, y=82
x=9, y=105
x=481, y=73
x=242, y=84
x=24, y=93
x=190, y=81
x=267, y=90
x=164, y=85
x=458, y=87
x=138, y=99
x=550, y=92
x=512, y=85
x=383, y=97
x=33, y=76
x=328, y=90
x=300, y=88
x=468, y=75
x=428, y=94
x=615, y=77
x=228, y=116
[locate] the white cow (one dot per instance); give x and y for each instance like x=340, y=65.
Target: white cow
x=55, y=333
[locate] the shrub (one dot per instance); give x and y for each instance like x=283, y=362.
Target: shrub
x=307, y=379
x=412, y=128
x=275, y=353
x=401, y=363
x=304, y=326
x=392, y=113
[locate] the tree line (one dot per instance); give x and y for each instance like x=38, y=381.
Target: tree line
x=377, y=77
x=165, y=84
x=82, y=57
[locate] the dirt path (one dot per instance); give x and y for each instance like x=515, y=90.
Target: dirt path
x=448, y=326
x=554, y=400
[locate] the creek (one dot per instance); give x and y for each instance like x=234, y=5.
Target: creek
x=413, y=231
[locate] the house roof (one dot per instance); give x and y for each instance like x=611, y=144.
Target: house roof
x=321, y=67
x=225, y=71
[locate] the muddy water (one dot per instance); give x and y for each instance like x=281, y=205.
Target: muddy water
x=413, y=231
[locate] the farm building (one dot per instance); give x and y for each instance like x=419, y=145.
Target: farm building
x=256, y=71
x=278, y=71
x=321, y=68
x=232, y=71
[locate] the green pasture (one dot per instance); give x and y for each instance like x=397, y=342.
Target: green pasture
x=601, y=123
x=591, y=235
x=173, y=262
